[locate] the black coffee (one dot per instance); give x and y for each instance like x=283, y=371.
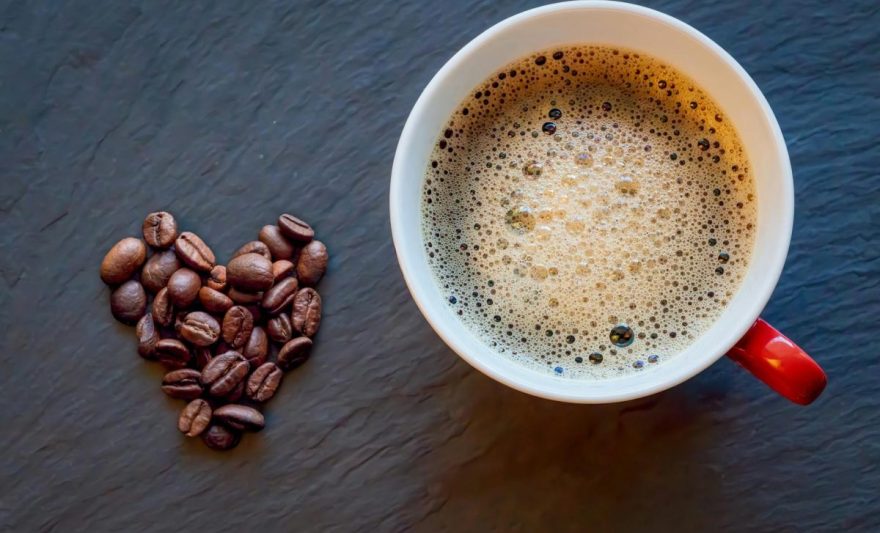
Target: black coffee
x=588, y=211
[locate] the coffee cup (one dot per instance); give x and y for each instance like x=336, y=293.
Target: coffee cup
x=739, y=332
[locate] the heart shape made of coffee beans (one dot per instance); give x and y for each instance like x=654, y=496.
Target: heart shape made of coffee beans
x=215, y=327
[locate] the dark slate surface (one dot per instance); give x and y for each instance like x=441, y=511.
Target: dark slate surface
x=228, y=113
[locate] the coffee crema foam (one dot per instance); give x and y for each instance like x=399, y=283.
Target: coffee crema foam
x=588, y=212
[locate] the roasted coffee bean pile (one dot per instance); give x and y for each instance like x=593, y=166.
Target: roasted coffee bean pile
x=213, y=326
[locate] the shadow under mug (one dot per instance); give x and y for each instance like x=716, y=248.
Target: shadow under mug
x=738, y=332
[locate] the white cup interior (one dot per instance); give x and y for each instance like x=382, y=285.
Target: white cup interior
x=635, y=28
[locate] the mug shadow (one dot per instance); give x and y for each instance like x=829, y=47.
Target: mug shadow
x=542, y=465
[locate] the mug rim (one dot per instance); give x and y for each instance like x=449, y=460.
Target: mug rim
x=742, y=322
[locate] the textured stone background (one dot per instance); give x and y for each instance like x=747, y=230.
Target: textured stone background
x=228, y=113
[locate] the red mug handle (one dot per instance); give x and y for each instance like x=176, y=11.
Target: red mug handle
x=771, y=357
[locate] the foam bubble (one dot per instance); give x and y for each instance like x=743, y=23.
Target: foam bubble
x=548, y=241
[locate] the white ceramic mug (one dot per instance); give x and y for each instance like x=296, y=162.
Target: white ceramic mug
x=750, y=341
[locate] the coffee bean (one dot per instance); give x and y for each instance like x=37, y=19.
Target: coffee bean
x=263, y=383
x=128, y=302
x=123, y=260
x=214, y=301
x=217, y=278
x=254, y=247
x=172, y=353
x=158, y=270
x=257, y=347
x=306, y=316
x=244, y=298
x=277, y=243
x=237, y=393
x=294, y=353
x=193, y=251
x=238, y=323
x=182, y=384
x=280, y=296
x=240, y=417
x=160, y=229
x=163, y=310
x=195, y=418
x=282, y=269
x=202, y=355
x=200, y=329
x=183, y=288
x=147, y=336
x=280, y=328
x=250, y=273
x=224, y=373
x=295, y=229
x=312, y=263
x=218, y=437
